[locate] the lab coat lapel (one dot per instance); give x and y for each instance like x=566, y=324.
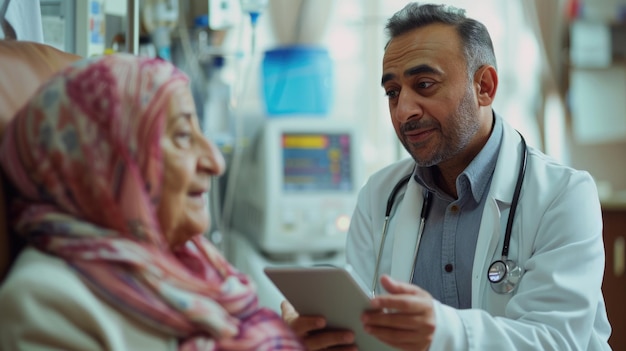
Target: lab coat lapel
x=486, y=247
x=491, y=225
x=405, y=232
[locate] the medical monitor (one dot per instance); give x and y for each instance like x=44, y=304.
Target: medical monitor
x=297, y=185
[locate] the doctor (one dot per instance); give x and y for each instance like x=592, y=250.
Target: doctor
x=491, y=245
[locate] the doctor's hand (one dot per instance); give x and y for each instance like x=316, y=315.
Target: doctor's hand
x=405, y=317
x=313, y=333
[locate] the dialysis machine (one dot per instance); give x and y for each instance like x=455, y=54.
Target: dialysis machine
x=295, y=193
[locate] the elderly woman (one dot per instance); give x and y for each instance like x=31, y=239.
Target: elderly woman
x=111, y=173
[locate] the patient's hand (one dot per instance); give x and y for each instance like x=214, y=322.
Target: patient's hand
x=313, y=332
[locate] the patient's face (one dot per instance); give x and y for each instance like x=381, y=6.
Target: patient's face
x=189, y=162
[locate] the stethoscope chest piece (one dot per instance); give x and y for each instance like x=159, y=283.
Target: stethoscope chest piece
x=504, y=276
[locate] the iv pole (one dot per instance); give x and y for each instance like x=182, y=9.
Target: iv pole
x=132, y=39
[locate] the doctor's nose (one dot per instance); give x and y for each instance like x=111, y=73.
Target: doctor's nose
x=408, y=106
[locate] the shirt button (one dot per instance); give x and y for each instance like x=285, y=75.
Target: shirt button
x=449, y=268
x=454, y=209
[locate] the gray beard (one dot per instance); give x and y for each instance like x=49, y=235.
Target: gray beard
x=457, y=136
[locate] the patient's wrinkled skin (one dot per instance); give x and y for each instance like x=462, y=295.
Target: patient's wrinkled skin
x=189, y=162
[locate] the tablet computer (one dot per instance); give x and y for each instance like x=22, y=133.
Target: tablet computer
x=332, y=292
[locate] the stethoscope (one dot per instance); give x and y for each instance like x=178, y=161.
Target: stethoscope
x=503, y=274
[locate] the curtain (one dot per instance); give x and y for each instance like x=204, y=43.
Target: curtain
x=547, y=20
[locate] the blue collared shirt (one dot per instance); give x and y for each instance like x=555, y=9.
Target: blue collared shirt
x=446, y=252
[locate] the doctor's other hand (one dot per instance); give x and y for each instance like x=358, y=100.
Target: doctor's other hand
x=403, y=318
x=313, y=332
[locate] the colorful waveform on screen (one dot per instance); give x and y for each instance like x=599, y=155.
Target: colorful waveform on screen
x=316, y=162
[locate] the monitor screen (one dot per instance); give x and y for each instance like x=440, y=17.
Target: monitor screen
x=316, y=162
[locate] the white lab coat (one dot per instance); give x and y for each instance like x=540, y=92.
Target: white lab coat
x=556, y=239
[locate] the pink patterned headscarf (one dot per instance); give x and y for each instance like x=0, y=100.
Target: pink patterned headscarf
x=85, y=157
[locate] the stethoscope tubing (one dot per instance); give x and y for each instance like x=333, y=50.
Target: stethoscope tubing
x=516, y=194
x=390, y=201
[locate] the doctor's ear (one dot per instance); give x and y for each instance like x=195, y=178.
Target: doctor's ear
x=485, y=84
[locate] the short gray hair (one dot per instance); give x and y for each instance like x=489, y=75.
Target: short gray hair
x=477, y=45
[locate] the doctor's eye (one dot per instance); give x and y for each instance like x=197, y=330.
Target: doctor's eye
x=425, y=85
x=392, y=93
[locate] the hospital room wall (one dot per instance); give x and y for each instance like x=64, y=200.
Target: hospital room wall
x=357, y=43
x=597, y=99
x=355, y=39
x=531, y=43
